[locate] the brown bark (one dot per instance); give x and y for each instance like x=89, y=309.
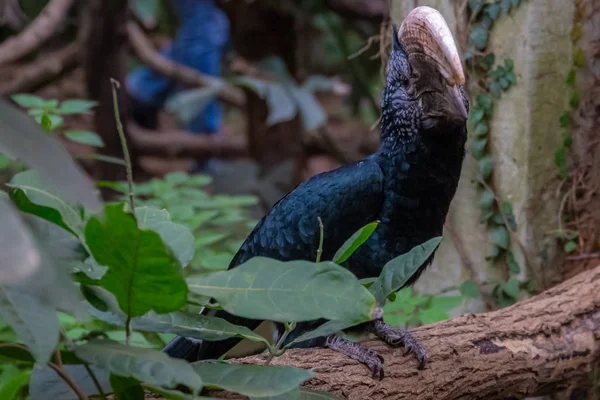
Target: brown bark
x=186, y=75
x=40, y=30
x=538, y=346
x=105, y=59
x=32, y=76
x=186, y=145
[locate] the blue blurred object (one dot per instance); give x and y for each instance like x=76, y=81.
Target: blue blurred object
x=200, y=41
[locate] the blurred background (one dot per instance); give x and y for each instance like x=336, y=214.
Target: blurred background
x=228, y=105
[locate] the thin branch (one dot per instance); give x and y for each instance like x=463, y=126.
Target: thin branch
x=188, y=76
x=32, y=76
x=531, y=348
x=65, y=377
x=40, y=30
x=115, y=86
x=320, y=249
x=95, y=380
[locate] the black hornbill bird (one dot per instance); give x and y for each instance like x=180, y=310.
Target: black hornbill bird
x=407, y=185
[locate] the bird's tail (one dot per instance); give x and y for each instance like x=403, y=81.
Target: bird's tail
x=195, y=349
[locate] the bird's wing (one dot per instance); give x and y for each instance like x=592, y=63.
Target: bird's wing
x=345, y=199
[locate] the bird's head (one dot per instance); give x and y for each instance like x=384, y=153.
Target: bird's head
x=424, y=88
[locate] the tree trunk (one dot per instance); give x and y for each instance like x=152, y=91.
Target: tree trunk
x=105, y=59
x=539, y=346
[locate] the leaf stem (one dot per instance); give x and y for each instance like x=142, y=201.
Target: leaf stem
x=65, y=377
x=115, y=86
x=128, y=331
x=95, y=380
x=278, y=350
x=320, y=249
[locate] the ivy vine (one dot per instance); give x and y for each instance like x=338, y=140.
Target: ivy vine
x=569, y=237
x=493, y=80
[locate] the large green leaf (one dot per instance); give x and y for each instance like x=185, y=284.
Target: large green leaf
x=20, y=257
x=312, y=115
x=46, y=384
x=328, y=328
x=187, y=104
x=32, y=195
x=76, y=106
x=264, y=288
x=182, y=323
x=85, y=137
x=126, y=388
x=179, y=239
x=146, y=365
x=10, y=388
x=354, y=242
x=142, y=273
x=398, y=271
x=23, y=138
x=281, y=104
x=35, y=323
x=252, y=380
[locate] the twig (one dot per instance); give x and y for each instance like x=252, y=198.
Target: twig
x=95, y=380
x=40, y=30
x=320, y=249
x=65, y=377
x=32, y=76
x=278, y=350
x=128, y=330
x=182, y=73
x=584, y=257
x=115, y=86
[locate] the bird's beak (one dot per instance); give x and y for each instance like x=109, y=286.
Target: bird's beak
x=429, y=45
x=425, y=33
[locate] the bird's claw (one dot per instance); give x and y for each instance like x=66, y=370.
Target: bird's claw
x=397, y=336
x=354, y=350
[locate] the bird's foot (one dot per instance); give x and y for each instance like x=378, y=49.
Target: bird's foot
x=398, y=336
x=354, y=350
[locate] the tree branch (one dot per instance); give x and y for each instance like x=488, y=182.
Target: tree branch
x=186, y=145
x=34, y=75
x=532, y=348
x=40, y=30
x=184, y=74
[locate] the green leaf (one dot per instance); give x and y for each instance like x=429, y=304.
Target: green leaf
x=509, y=63
x=481, y=129
x=511, y=288
x=574, y=99
x=146, y=11
x=500, y=236
x=470, y=289
x=85, y=137
x=578, y=57
x=326, y=329
x=479, y=36
x=32, y=195
x=146, y=365
x=312, y=114
x=46, y=384
x=478, y=148
x=280, y=103
x=23, y=139
x=505, y=4
x=76, y=106
x=478, y=115
x=268, y=289
x=9, y=389
x=487, y=199
x=28, y=100
x=179, y=239
x=567, y=140
x=570, y=246
x=35, y=323
x=137, y=260
x=496, y=89
x=126, y=388
x=354, y=242
x=493, y=10
x=486, y=166
x=187, y=104
x=398, y=271
x=571, y=78
x=507, y=210
x=432, y=315
x=45, y=122
x=513, y=265
x=192, y=325
x=252, y=380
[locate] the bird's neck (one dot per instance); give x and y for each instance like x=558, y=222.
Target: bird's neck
x=421, y=169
